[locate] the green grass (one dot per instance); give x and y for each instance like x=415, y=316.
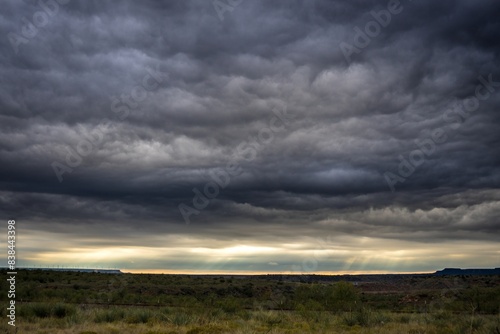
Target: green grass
x=68, y=302
x=126, y=319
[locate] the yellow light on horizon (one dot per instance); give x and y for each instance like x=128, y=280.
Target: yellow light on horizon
x=235, y=250
x=109, y=254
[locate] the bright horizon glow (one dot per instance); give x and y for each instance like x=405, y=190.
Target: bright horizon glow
x=337, y=255
x=332, y=273
x=243, y=272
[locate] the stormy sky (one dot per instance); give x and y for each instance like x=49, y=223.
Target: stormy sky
x=252, y=136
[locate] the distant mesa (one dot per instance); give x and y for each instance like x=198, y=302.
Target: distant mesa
x=459, y=271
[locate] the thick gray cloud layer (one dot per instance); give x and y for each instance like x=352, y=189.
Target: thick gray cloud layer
x=167, y=94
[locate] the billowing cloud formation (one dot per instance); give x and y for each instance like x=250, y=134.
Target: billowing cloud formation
x=291, y=136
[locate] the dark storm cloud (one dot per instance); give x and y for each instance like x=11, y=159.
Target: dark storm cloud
x=211, y=86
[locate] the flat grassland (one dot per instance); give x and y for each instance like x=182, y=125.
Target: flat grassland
x=87, y=303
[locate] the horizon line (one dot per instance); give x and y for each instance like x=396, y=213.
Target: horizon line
x=241, y=272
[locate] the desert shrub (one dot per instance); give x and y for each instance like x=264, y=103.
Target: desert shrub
x=341, y=296
x=309, y=311
x=229, y=305
x=478, y=300
x=215, y=314
x=110, y=315
x=476, y=323
x=180, y=319
x=30, y=292
x=360, y=317
x=313, y=305
x=493, y=327
x=442, y=315
x=37, y=310
x=139, y=317
x=62, y=310
x=379, y=318
x=405, y=319
x=268, y=318
x=41, y=310
x=25, y=311
x=77, y=297
x=345, y=296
